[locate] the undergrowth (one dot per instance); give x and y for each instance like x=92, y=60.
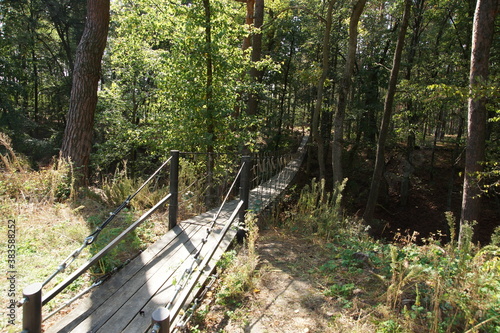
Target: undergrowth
x=399, y=286
x=435, y=287
x=52, y=219
x=239, y=271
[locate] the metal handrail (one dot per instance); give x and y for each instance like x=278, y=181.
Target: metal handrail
x=33, y=294
x=33, y=302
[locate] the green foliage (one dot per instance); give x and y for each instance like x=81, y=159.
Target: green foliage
x=156, y=100
x=37, y=45
x=433, y=287
x=318, y=211
x=239, y=276
x=120, y=253
x=453, y=288
x=340, y=290
x=389, y=326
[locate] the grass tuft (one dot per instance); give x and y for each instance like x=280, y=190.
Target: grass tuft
x=239, y=276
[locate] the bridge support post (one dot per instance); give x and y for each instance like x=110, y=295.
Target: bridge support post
x=161, y=321
x=32, y=308
x=244, y=194
x=174, y=189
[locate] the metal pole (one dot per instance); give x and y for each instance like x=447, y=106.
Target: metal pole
x=174, y=189
x=32, y=308
x=161, y=321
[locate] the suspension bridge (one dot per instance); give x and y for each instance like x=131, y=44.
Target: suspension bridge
x=159, y=289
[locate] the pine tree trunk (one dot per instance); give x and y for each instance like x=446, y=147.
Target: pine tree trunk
x=318, y=139
x=77, y=140
x=482, y=37
x=384, y=126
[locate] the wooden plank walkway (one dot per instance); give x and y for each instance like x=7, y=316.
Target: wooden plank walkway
x=126, y=301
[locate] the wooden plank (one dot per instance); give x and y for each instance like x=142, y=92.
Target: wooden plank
x=109, y=288
x=136, y=289
x=105, y=301
x=160, y=288
x=161, y=278
x=142, y=323
x=126, y=301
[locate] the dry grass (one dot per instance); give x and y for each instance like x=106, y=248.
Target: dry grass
x=52, y=221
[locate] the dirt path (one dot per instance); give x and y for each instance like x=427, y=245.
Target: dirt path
x=288, y=297
x=284, y=300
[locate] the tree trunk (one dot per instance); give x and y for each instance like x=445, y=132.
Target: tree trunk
x=77, y=139
x=455, y=158
x=384, y=126
x=413, y=117
x=318, y=139
x=210, y=199
x=249, y=21
x=482, y=37
x=255, y=74
x=345, y=86
x=284, y=93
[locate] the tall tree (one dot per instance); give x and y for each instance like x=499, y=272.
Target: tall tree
x=210, y=119
x=255, y=73
x=411, y=107
x=384, y=126
x=482, y=38
x=344, y=87
x=318, y=138
x=77, y=140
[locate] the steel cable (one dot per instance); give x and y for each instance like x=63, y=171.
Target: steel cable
x=93, y=236
x=186, y=275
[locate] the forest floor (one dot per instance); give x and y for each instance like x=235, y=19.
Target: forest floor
x=288, y=294
x=435, y=187
x=289, y=291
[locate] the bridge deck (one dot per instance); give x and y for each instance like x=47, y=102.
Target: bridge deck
x=126, y=301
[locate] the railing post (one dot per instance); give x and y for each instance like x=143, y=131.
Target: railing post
x=32, y=308
x=244, y=192
x=161, y=321
x=174, y=189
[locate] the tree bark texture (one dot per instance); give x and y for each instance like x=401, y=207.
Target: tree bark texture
x=318, y=139
x=482, y=38
x=384, y=126
x=249, y=20
x=345, y=86
x=77, y=139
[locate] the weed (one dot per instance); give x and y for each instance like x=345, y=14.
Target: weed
x=54, y=183
x=239, y=276
x=120, y=186
x=317, y=211
x=341, y=290
x=389, y=326
x=430, y=287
